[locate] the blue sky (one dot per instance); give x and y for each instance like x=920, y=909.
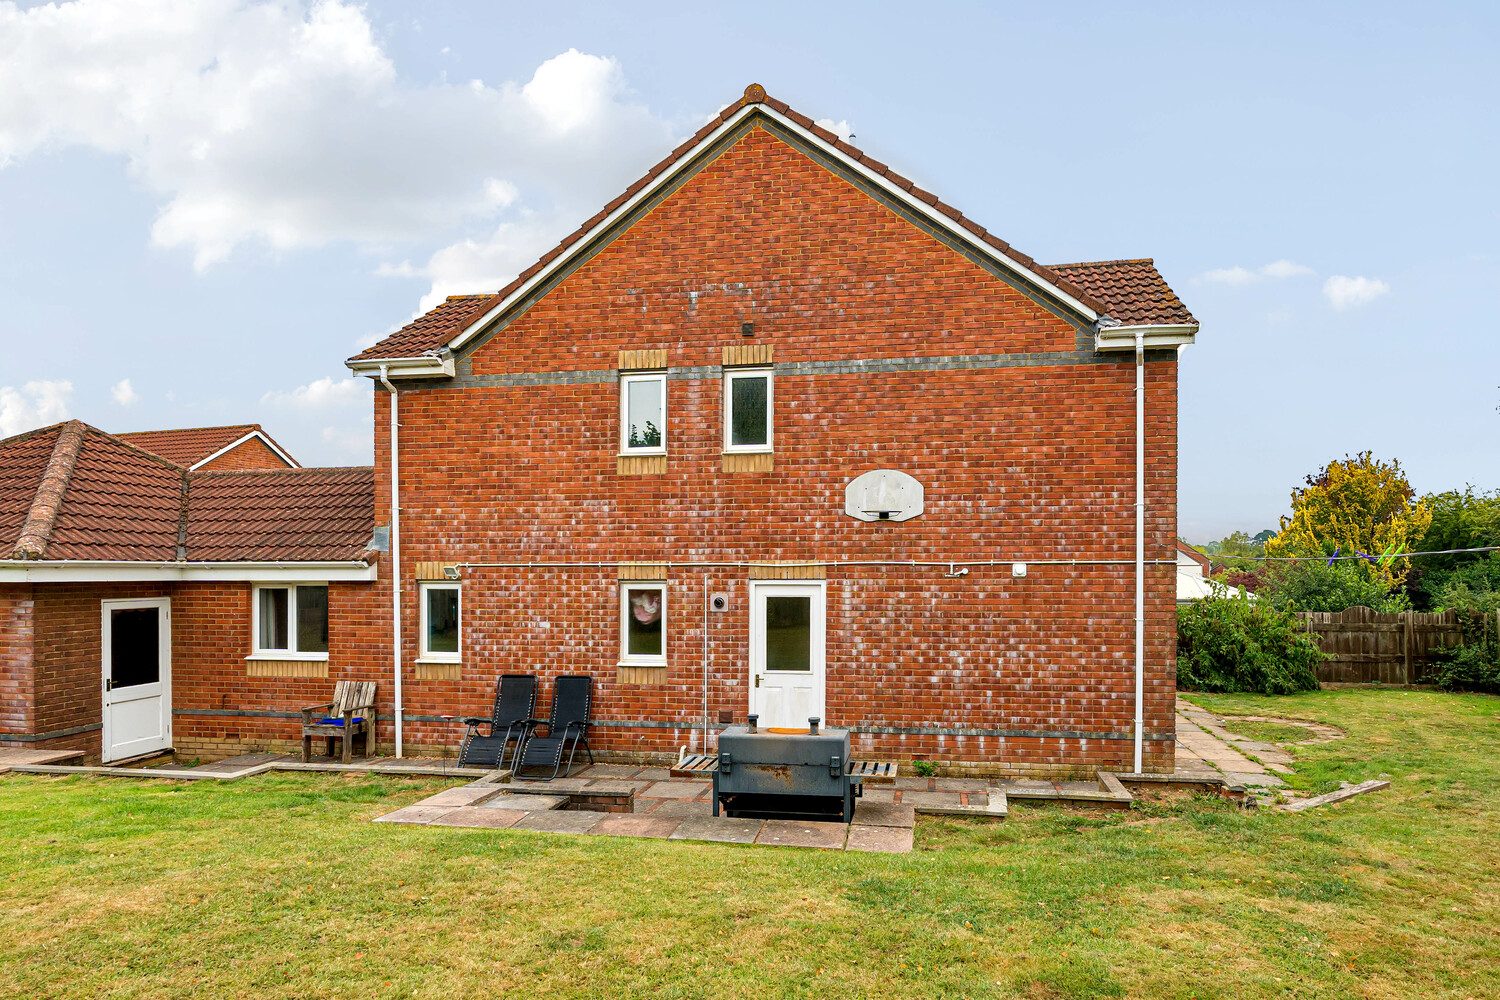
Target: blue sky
x=219, y=202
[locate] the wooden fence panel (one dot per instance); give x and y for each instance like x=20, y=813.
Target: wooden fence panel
x=1365, y=646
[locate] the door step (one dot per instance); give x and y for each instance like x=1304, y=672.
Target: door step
x=145, y=759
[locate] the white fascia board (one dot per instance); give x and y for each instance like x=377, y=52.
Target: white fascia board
x=230, y=447
x=425, y=366
x=1122, y=338
x=126, y=571
x=686, y=160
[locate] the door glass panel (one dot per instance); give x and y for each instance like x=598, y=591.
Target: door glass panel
x=643, y=621
x=788, y=633
x=747, y=409
x=273, y=618
x=643, y=409
x=134, y=647
x=312, y=619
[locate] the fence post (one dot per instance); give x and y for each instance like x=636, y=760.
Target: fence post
x=1411, y=677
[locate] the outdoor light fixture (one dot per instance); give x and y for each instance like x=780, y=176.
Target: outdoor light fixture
x=450, y=572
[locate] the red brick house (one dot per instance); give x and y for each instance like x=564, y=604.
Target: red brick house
x=779, y=432
x=151, y=600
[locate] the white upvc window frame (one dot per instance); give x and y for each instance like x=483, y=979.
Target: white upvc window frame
x=628, y=659
x=425, y=655
x=256, y=652
x=757, y=371
x=626, y=380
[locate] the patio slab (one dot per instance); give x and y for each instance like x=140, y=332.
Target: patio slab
x=464, y=795
x=525, y=803
x=557, y=786
x=676, y=807
x=930, y=798
x=609, y=771
x=637, y=825
x=884, y=814
x=799, y=833
x=674, y=790
x=614, y=786
x=479, y=816
x=559, y=821
x=654, y=774
x=880, y=839
x=719, y=829
x=416, y=815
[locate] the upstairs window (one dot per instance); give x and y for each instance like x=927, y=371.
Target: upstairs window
x=290, y=622
x=440, y=622
x=643, y=414
x=747, y=410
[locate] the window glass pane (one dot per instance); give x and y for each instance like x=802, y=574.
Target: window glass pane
x=273, y=618
x=134, y=647
x=788, y=633
x=645, y=614
x=747, y=410
x=442, y=619
x=643, y=406
x=312, y=619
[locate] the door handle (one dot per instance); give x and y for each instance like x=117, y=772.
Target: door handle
x=109, y=684
x=757, y=680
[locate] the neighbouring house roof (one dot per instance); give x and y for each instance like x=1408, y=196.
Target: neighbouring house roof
x=1184, y=549
x=196, y=446
x=74, y=492
x=1130, y=292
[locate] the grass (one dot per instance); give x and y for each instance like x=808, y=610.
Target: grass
x=1269, y=732
x=278, y=886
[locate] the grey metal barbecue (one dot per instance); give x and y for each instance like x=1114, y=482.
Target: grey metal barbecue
x=785, y=773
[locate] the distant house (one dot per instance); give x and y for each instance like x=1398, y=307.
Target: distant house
x=1193, y=568
x=141, y=594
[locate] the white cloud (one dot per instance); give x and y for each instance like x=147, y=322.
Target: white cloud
x=124, y=393
x=841, y=128
x=324, y=394
x=35, y=404
x=356, y=442
x=1244, y=276
x=284, y=124
x=1285, y=269
x=1345, y=292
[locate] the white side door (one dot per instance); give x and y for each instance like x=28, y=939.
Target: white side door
x=787, y=670
x=136, y=643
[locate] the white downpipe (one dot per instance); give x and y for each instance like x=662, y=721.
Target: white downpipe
x=1140, y=542
x=395, y=552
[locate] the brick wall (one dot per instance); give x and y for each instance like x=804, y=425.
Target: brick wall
x=253, y=454
x=17, y=688
x=1026, y=462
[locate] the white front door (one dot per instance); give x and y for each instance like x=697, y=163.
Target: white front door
x=136, y=641
x=786, y=653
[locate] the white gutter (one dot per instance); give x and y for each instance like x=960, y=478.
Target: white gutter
x=1156, y=336
x=132, y=570
x=395, y=552
x=423, y=366
x=1140, y=540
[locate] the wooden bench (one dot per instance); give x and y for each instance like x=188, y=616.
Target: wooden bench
x=351, y=713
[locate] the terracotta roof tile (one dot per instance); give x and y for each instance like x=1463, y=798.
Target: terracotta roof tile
x=189, y=444
x=437, y=327
x=1133, y=290
x=121, y=502
x=292, y=514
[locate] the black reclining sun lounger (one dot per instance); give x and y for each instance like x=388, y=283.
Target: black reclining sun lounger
x=510, y=722
x=568, y=726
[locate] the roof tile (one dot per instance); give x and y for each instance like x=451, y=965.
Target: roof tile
x=1133, y=291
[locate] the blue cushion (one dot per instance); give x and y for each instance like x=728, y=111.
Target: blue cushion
x=337, y=722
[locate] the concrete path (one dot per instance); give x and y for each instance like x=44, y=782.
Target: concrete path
x=1204, y=744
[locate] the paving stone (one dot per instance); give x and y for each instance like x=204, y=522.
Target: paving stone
x=913, y=784
x=880, y=839
x=420, y=815
x=627, y=825
x=479, y=816
x=653, y=774
x=526, y=803
x=680, y=807
x=609, y=771
x=719, y=829
x=464, y=795
x=611, y=786
x=557, y=786
x=962, y=785
x=1259, y=778
x=882, y=794
x=805, y=833
x=930, y=798
x=883, y=814
x=674, y=790
x=560, y=821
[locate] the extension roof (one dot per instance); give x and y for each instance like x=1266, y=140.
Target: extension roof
x=1110, y=293
x=74, y=492
x=196, y=446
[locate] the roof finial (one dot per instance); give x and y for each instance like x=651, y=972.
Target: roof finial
x=755, y=94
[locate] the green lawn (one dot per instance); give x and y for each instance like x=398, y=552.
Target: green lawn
x=279, y=886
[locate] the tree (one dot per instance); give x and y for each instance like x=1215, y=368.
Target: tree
x=1357, y=506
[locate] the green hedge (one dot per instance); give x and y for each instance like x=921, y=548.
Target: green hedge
x=1241, y=644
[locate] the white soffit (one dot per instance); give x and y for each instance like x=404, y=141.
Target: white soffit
x=107, y=571
x=1122, y=338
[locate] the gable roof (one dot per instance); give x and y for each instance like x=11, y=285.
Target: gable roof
x=458, y=319
x=1132, y=291
x=74, y=492
x=197, y=446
